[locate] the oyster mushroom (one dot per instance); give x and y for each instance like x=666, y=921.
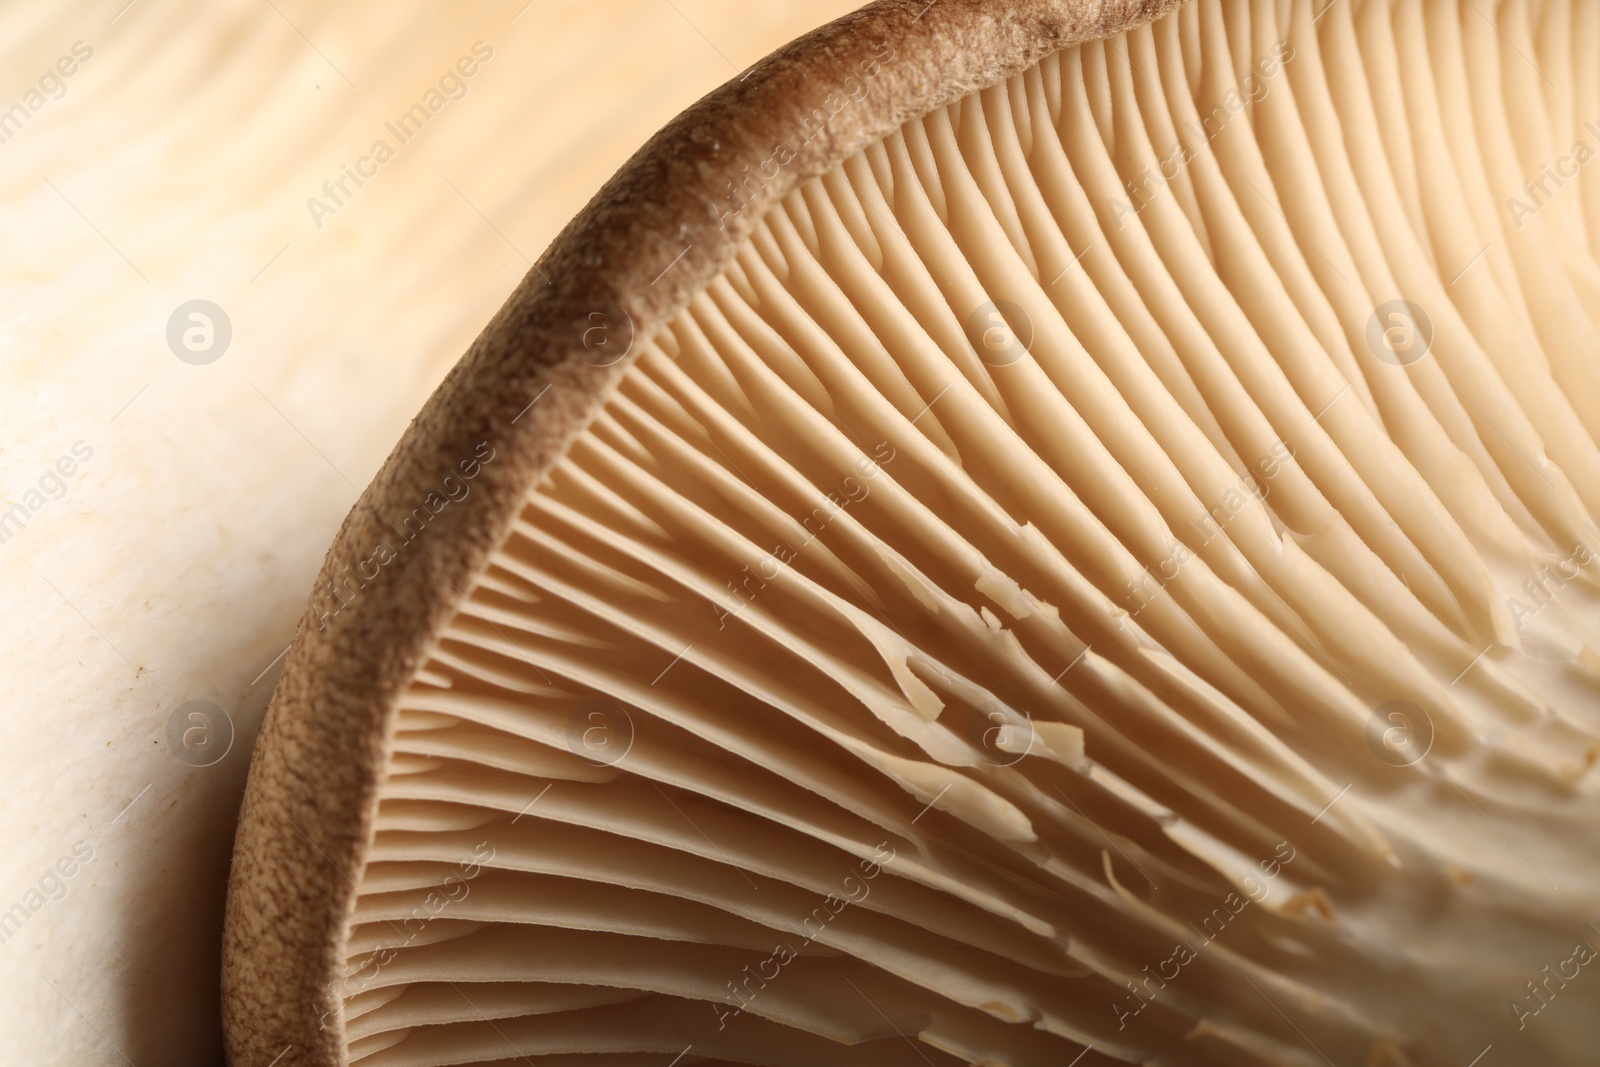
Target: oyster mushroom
x=1041, y=536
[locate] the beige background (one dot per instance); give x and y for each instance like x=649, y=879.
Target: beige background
x=176, y=165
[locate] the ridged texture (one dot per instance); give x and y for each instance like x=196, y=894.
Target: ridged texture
x=648, y=241
x=861, y=688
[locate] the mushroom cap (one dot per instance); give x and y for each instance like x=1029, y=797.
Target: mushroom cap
x=1331, y=716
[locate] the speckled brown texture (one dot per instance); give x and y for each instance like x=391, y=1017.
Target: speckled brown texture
x=308, y=806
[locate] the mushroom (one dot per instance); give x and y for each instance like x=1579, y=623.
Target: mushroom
x=1043, y=536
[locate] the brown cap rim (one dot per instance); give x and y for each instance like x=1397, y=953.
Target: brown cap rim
x=656, y=234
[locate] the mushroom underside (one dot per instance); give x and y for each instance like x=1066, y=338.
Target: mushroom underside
x=1106, y=572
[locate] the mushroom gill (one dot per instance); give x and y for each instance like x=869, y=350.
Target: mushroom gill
x=1102, y=573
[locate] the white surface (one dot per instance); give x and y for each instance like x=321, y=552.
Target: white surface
x=175, y=165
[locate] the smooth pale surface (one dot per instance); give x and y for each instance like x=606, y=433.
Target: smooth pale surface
x=177, y=165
